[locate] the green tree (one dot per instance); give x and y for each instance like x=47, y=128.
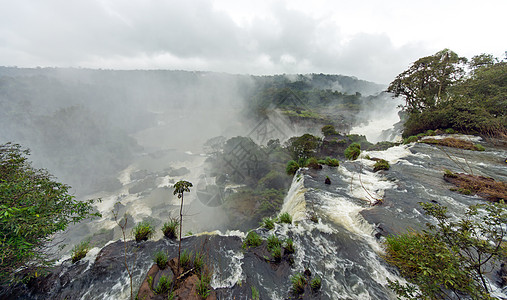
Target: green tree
x=181, y=187
x=425, y=83
x=450, y=258
x=303, y=147
x=33, y=207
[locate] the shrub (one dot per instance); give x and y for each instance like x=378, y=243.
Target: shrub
x=143, y=231
x=381, y=165
x=252, y=240
x=79, y=251
x=289, y=246
x=163, y=286
x=332, y=162
x=273, y=241
x=479, y=147
x=450, y=174
x=430, y=132
x=410, y=139
x=268, y=223
x=298, y=283
x=285, y=218
x=313, y=163
x=170, y=228
x=161, y=259
x=450, y=131
x=352, y=152
x=292, y=167
x=328, y=130
x=316, y=283
x=276, y=251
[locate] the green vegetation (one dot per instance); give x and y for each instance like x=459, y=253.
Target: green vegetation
x=185, y=260
x=268, y=223
x=451, y=257
x=292, y=167
x=285, y=218
x=180, y=188
x=303, y=147
x=440, y=94
x=34, y=208
x=198, y=262
x=332, y=162
x=289, y=246
x=328, y=130
x=316, y=283
x=381, y=164
x=80, y=250
x=454, y=143
x=298, y=283
x=163, y=286
x=410, y=139
x=203, y=288
x=352, y=152
x=170, y=228
x=273, y=241
x=255, y=293
x=252, y=240
x=161, y=259
x=313, y=163
x=276, y=251
x=143, y=231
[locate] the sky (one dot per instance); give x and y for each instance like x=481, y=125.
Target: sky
x=370, y=39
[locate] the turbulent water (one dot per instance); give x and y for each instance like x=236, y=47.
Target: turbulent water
x=344, y=247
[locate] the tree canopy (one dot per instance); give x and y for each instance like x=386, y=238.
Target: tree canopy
x=33, y=207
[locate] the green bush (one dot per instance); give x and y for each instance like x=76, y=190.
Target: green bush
x=163, y=286
x=276, y=251
x=143, y=231
x=450, y=131
x=292, y=167
x=285, y=218
x=161, y=259
x=352, y=152
x=268, y=223
x=203, y=287
x=80, y=250
x=198, y=262
x=289, y=246
x=170, y=228
x=410, y=139
x=186, y=260
x=332, y=162
x=313, y=163
x=316, y=283
x=381, y=165
x=273, y=241
x=328, y=130
x=252, y=240
x=298, y=283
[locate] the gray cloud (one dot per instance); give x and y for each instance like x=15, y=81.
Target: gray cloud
x=190, y=35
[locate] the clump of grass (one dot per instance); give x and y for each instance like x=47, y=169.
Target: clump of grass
x=198, y=262
x=381, y=164
x=292, y=167
x=450, y=174
x=410, y=139
x=298, y=283
x=186, y=260
x=273, y=241
x=316, y=283
x=252, y=240
x=143, y=231
x=268, y=223
x=285, y=218
x=276, y=251
x=80, y=250
x=203, y=288
x=255, y=293
x=289, y=246
x=161, y=259
x=163, y=286
x=479, y=147
x=332, y=162
x=352, y=152
x=170, y=228
x=313, y=163
x=450, y=131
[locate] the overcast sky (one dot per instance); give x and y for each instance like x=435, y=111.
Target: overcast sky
x=372, y=39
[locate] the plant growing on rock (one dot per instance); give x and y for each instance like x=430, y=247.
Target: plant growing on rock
x=80, y=250
x=352, y=152
x=289, y=246
x=180, y=188
x=268, y=223
x=161, y=259
x=298, y=283
x=143, y=231
x=252, y=240
x=170, y=228
x=316, y=283
x=381, y=164
x=292, y=167
x=276, y=251
x=163, y=286
x=273, y=241
x=285, y=218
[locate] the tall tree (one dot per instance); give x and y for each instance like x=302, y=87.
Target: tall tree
x=33, y=207
x=425, y=83
x=181, y=187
